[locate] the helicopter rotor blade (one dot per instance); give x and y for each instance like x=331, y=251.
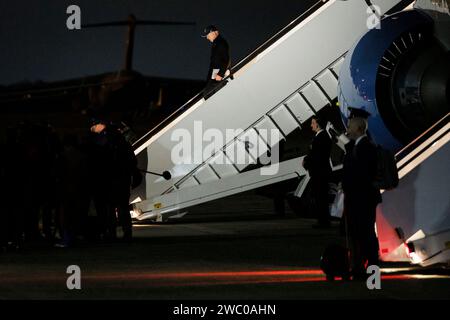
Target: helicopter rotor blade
x=164, y=23
x=106, y=24
x=137, y=22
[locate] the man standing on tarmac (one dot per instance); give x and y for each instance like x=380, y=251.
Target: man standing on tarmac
x=114, y=164
x=317, y=162
x=361, y=196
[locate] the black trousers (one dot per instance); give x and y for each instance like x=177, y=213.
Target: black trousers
x=360, y=214
x=123, y=213
x=105, y=213
x=120, y=202
x=319, y=189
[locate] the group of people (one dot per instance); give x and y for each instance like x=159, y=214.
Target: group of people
x=67, y=181
x=361, y=196
x=60, y=190
x=114, y=165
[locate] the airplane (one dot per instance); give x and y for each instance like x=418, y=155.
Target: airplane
x=397, y=69
x=400, y=74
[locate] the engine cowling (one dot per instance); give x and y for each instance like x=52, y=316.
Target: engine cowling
x=400, y=74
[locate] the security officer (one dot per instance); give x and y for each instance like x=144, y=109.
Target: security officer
x=317, y=162
x=116, y=163
x=360, y=195
x=99, y=171
x=220, y=59
x=124, y=164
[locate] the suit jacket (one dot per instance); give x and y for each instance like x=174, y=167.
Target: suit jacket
x=360, y=167
x=317, y=162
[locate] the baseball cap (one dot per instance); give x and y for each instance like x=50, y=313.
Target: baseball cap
x=209, y=29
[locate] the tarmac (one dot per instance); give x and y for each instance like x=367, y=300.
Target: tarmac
x=219, y=251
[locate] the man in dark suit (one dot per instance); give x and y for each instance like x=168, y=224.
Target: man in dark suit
x=113, y=163
x=361, y=196
x=317, y=162
x=220, y=59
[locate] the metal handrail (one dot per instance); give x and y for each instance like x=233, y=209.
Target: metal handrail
x=233, y=70
x=194, y=170
x=400, y=155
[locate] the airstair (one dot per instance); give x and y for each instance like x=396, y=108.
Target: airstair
x=413, y=221
x=273, y=92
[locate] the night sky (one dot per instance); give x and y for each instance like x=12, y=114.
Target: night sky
x=36, y=45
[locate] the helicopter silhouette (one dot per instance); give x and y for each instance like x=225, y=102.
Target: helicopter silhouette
x=131, y=23
x=124, y=95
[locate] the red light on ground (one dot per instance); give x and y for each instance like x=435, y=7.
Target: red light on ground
x=185, y=279
x=248, y=273
x=227, y=274
x=215, y=278
x=395, y=277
